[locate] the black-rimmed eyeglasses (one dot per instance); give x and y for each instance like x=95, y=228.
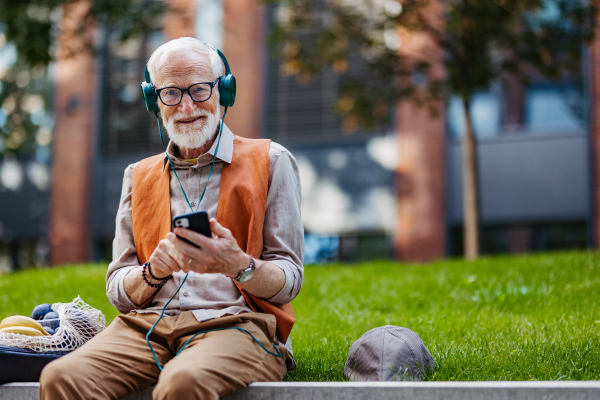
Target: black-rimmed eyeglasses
x=199, y=92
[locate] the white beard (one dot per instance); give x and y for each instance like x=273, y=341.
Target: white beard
x=193, y=137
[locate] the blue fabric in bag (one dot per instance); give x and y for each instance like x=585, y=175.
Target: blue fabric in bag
x=22, y=365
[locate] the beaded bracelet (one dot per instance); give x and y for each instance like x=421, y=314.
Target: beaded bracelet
x=152, y=275
x=154, y=285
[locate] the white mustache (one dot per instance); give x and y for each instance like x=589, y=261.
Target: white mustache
x=180, y=116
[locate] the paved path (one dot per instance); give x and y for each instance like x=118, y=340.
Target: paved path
x=567, y=390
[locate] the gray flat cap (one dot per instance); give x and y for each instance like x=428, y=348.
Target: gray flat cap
x=388, y=353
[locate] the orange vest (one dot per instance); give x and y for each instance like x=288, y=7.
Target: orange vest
x=241, y=209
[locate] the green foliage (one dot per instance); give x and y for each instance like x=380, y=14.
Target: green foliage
x=28, y=24
x=34, y=31
x=478, y=41
x=34, y=25
x=25, y=100
x=529, y=317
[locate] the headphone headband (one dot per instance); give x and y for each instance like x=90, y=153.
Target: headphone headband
x=227, y=70
x=147, y=73
x=223, y=58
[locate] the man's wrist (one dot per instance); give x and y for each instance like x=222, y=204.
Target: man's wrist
x=151, y=279
x=242, y=263
x=247, y=273
x=155, y=275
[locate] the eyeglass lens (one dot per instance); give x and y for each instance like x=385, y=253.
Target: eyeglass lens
x=198, y=92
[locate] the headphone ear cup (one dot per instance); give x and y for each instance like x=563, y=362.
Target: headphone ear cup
x=227, y=89
x=150, y=97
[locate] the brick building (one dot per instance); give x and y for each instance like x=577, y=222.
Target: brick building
x=392, y=191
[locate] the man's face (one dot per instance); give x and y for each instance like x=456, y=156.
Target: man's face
x=190, y=124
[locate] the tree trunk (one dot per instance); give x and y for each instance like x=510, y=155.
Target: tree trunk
x=470, y=186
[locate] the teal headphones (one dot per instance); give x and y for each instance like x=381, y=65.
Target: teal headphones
x=226, y=87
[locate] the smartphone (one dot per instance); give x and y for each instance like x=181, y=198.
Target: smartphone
x=196, y=221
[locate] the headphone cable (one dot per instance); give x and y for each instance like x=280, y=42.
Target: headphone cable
x=278, y=354
x=173, y=166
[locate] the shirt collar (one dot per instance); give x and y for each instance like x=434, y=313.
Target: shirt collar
x=225, y=151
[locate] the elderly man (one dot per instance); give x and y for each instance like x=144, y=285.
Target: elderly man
x=253, y=199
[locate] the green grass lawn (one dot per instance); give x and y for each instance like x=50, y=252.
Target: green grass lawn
x=530, y=317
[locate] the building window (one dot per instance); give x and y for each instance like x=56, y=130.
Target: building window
x=209, y=22
x=302, y=110
x=524, y=238
x=485, y=112
x=554, y=108
x=126, y=127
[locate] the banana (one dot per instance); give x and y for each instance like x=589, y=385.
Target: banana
x=20, y=321
x=23, y=330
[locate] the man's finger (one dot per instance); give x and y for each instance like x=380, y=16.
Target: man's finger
x=177, y=255
x=159, y=267
x=166, y=259
x=187, y=250
x=219, y=229
x=197, y=238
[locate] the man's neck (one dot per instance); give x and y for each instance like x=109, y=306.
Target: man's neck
x=185, y=153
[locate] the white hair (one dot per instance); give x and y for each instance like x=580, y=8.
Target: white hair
x=186, y=44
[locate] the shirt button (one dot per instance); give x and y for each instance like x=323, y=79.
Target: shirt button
x=194, y=169
x=185, y=294
x=193, y=204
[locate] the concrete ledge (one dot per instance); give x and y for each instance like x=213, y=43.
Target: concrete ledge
x=567, y=390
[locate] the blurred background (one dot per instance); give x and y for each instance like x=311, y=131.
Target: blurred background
x=393, y=190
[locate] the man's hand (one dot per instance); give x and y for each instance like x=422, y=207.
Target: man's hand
x=220, y=254
x=161, y=261
x=162, y=265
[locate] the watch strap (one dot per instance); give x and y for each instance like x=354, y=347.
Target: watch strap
x=251, y=267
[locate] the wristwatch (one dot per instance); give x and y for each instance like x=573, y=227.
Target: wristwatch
x=246, y=274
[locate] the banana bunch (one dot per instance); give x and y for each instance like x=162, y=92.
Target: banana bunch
x=22, y=325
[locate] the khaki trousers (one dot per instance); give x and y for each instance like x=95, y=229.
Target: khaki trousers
x=118, y=362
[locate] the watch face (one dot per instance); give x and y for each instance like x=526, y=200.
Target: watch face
x=247, y=274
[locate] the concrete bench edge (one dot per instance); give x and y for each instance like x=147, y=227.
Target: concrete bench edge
x=435, y=384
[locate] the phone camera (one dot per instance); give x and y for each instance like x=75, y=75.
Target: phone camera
x=182, y=223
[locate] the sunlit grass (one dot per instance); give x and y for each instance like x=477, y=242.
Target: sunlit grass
x=23, y=290
x=499, y=318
